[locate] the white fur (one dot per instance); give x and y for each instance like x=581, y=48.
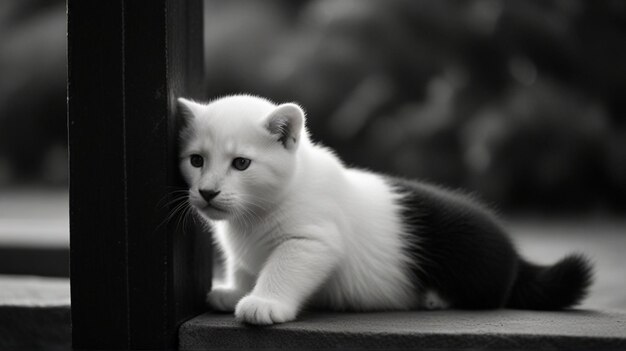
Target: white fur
x=300, y=227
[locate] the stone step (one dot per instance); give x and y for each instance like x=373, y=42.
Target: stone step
x=499, y=329
x=34, y=313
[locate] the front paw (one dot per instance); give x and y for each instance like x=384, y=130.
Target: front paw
x=263, y=311
x=224, y=299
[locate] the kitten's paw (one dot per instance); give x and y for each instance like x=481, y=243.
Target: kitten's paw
x=263, y=311
x=224, y=299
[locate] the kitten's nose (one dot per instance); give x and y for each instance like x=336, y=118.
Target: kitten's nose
x=209, y=195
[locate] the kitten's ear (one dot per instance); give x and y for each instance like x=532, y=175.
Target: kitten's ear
x=286, y=123
x=189, y=108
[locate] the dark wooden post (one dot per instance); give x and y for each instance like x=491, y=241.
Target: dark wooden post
x=134, y=278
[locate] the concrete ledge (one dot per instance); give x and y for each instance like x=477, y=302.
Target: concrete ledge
x=502, y=329
x=35, y=328
x=34, y=313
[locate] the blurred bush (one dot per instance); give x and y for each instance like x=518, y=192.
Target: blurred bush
x=32, y=92
x=522, y=102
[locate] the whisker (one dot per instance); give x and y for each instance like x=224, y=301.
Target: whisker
x=167, y=196
x=176, y=209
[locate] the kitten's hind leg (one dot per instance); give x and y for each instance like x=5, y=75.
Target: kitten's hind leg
x=433, y=301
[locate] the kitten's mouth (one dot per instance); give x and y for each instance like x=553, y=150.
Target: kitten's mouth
x=214, y=208
x=210, y=209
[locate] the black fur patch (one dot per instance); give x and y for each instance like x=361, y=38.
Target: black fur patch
x=463, y=254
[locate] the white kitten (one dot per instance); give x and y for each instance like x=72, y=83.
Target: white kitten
x=298, y=228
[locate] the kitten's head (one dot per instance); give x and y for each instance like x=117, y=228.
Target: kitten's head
x=238, y=153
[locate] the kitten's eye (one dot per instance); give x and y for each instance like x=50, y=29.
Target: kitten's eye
x=196, y=160
x=241, y=163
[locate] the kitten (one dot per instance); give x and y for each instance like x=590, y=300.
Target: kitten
x=298, y=228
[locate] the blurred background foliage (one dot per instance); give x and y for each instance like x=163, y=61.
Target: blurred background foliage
x=521, y=102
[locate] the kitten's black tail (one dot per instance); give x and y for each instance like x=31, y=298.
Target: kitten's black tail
x=555, y=287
